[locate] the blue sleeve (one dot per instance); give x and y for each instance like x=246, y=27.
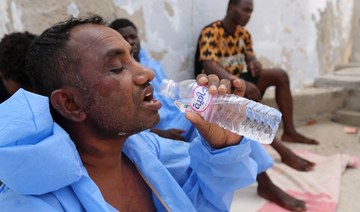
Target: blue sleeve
x=11, y=201
x=208, y=177
x=261, y=156
x=218, y=173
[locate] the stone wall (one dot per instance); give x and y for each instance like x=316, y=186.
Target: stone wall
x=305, y=37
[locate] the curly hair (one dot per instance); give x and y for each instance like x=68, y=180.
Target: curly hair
x=13, y=49
x=49, y=62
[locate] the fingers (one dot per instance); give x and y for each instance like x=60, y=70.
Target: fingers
x=179, y=131
x=179, y=138
x=214, y=84
x=255, y=97
x=174, y=134
x=217, y=86
x=202, y=79
x=224, y=87
x=240, y=87
x=252, y=92
x=252, y=70
x=258, y=96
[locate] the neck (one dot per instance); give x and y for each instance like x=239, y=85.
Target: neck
x=229, y=25
x=98, y=152
x=104, y=155
x=118, y=179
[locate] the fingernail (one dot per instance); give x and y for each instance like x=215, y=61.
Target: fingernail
x=222, y=87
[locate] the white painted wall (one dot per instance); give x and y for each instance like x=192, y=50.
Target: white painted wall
x=307, y=38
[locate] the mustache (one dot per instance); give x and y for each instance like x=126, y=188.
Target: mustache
x=146, y=84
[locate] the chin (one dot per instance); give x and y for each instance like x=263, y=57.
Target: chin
x=242, y=24
x=156, y=120
x=148, y=123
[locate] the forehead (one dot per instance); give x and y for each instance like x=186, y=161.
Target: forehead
x=129, y=30
x=95, y=38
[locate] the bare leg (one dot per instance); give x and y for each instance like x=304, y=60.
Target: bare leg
x=280, y=79
x=268, y=190
x=290, y=158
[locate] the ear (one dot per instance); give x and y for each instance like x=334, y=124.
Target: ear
x=64, y=101
x=230, y=7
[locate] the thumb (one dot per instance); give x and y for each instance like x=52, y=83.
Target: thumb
x=196, y=120
x=200, y=123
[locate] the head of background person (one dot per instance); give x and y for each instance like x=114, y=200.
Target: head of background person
x=239, y=11
x=93, y=83
x=129, y=31
x=13, y=48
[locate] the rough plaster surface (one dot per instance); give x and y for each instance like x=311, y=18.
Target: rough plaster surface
x=4, y=20
x=355, y=57
x=306, y=38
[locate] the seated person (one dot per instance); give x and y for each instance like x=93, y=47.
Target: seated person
x=4, y=94
x=225, y=49
x=182, y=129
x=93, y=157
x=13, y=48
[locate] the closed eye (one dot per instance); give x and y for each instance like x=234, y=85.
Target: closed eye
x=118, y=70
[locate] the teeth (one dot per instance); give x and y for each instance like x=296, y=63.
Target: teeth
x=148, y=94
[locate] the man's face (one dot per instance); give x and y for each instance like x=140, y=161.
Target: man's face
x=113, y=89
x=242, y=12
x=131, y=36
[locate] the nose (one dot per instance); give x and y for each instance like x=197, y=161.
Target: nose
x=142, y=74
x=248, y=15
x=131, y=41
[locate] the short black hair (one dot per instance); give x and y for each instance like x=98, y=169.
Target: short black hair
x=233, y=2
x=49, y=62
x=121, y=23
x=13, y=49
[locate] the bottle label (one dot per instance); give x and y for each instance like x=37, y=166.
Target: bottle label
x=201, y=99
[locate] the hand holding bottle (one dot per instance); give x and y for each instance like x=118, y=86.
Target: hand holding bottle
x=216, y=136
x=235, y=113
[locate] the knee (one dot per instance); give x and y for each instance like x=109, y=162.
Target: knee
x=283, y=77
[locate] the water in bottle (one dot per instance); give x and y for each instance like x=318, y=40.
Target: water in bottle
x=237, y=114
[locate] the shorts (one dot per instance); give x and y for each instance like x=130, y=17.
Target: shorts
x=247, y=76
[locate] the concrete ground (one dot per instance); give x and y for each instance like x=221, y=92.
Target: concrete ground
x=334, y=140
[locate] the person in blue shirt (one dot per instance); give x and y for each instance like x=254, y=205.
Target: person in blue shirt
x=13, y=48
x=173, y=124
x=80, y=142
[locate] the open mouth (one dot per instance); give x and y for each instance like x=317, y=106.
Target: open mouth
x=149, y=97
x=149, y=101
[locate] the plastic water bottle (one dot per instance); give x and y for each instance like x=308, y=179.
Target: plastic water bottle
x=237, y=114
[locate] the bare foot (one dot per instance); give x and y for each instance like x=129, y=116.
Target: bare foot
x=290, y=158
x=297, y=138
x=268, y=190
x=296, y=162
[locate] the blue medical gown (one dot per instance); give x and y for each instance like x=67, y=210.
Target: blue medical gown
x=42, y=171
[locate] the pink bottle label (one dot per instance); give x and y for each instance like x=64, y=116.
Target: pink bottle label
x=201, y=99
